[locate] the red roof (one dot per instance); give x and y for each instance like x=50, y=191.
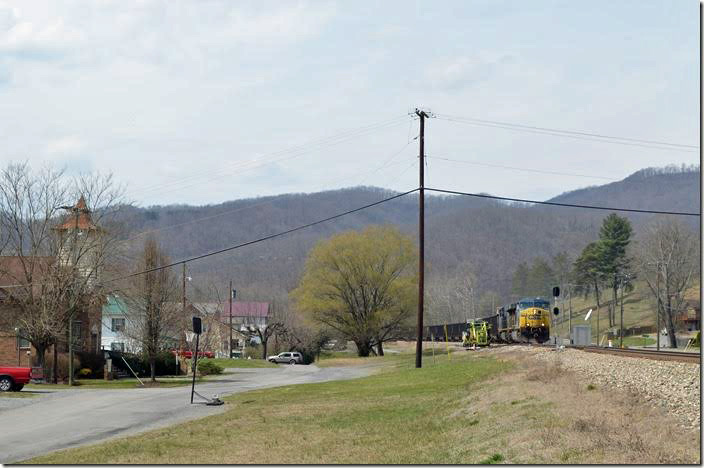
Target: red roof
x=246, y=309
x=79, y=217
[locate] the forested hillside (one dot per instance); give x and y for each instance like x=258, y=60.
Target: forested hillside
x=473, y=245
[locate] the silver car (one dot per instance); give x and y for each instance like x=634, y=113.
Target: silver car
x=287, y=358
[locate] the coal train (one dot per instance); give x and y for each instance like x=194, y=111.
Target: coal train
x=527, y=320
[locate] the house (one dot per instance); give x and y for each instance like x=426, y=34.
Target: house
x=245, y=314
x=114, y=325
x=78, y=232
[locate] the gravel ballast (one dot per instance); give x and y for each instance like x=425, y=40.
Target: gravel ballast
x=674, y=386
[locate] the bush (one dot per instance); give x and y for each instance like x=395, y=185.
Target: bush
x=254, y=352
x=208, y=367
x=93, y=361
x=62, y=367
x=165, y=364
x=85, y=373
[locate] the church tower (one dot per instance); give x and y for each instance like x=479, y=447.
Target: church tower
x=80, y=242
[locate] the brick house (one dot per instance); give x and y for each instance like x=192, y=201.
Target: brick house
x=86, y=325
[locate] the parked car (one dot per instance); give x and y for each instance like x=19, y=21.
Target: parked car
x=12, y=379
x=287, y=358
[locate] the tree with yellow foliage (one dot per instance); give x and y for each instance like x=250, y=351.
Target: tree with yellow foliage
x=361, y=284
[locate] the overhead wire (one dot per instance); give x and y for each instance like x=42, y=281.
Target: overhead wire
x=524, y=169
x=385, y=165
x=570, y=205
x=265, y=238
x=573, y=134
x=270, y=158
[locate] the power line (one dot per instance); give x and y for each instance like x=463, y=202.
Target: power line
x=385, y=165
x=571, y=132
x=574, y=135
x=273, y=157
x=261, y=239
x=570, y=205
x=513, y=168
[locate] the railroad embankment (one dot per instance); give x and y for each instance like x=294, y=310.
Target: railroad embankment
x=672, y=386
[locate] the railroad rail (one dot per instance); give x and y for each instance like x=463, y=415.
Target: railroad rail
x=645, y=353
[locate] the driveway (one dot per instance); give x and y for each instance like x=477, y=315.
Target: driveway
x=73, y=417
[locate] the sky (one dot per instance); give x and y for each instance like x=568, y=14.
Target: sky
x=207, y=101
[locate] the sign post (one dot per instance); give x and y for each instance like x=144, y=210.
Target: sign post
x=197, y=328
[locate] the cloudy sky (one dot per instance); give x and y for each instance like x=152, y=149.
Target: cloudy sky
x=202, y=102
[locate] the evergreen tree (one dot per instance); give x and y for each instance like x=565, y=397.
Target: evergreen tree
x=541, y=279
x=614, y=238
x=519, y=284
x=588, y=272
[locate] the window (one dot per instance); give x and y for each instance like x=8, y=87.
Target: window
x=118, y=325
x=23, y=343
x=115, y=346
x=76, y=329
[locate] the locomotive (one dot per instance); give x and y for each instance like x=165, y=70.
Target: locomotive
x=527, y=320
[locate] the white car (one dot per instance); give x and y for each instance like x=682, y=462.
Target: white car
x=287, y=358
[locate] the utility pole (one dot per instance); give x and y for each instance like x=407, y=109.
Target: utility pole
x=421, y=236
x=657, y=319
x=230, y=346
x=569, y=292
x=183, y=289
x=620, y=335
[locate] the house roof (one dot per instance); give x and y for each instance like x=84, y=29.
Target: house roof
x=246, y=309
x=12, y=269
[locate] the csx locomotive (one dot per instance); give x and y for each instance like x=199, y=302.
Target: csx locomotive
x=527, y=320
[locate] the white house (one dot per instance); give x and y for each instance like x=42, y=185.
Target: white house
x=114, y=319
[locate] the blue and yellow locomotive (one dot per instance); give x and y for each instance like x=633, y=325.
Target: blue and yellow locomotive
x=526, y=320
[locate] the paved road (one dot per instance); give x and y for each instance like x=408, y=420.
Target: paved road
x=73, y=417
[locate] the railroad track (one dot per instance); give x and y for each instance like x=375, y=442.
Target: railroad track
x=645, y=353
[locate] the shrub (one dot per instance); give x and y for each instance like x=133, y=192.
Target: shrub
x=62, y=367
x=85, y=373
x=93, y=361
x=208, y=367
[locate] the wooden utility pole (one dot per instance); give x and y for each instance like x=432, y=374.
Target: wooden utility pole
x=230, y=346
x=421, y=237
x=657, y=299
x=183, y=289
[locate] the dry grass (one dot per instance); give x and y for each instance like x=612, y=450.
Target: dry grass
x=549, y=415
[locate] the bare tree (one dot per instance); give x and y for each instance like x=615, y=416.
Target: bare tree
x=52, y=262
x=668, y=250
x=154, y=316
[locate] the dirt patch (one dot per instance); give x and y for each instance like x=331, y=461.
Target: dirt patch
x=549, y=414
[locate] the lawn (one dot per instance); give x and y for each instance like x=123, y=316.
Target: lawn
x=100, y=384
x=241, y=363
x=637, y=341
x=398, y=415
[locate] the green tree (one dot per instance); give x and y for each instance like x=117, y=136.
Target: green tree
x=587, y=272
x=614, y=238
x=540, y=279
x=361, y=284
x=519, y=283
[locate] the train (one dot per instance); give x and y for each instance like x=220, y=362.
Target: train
x=527, y=320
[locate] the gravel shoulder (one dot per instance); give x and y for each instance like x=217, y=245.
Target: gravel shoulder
x=672, y=386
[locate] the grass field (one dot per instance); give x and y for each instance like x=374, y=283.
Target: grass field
x=638, y=310
x=98, y=384
x=241, y=363
x=482, y=407
x=400, y=415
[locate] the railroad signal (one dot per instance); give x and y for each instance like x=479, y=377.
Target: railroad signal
x=197, y=326
x=556, y=311
x=556, y=291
